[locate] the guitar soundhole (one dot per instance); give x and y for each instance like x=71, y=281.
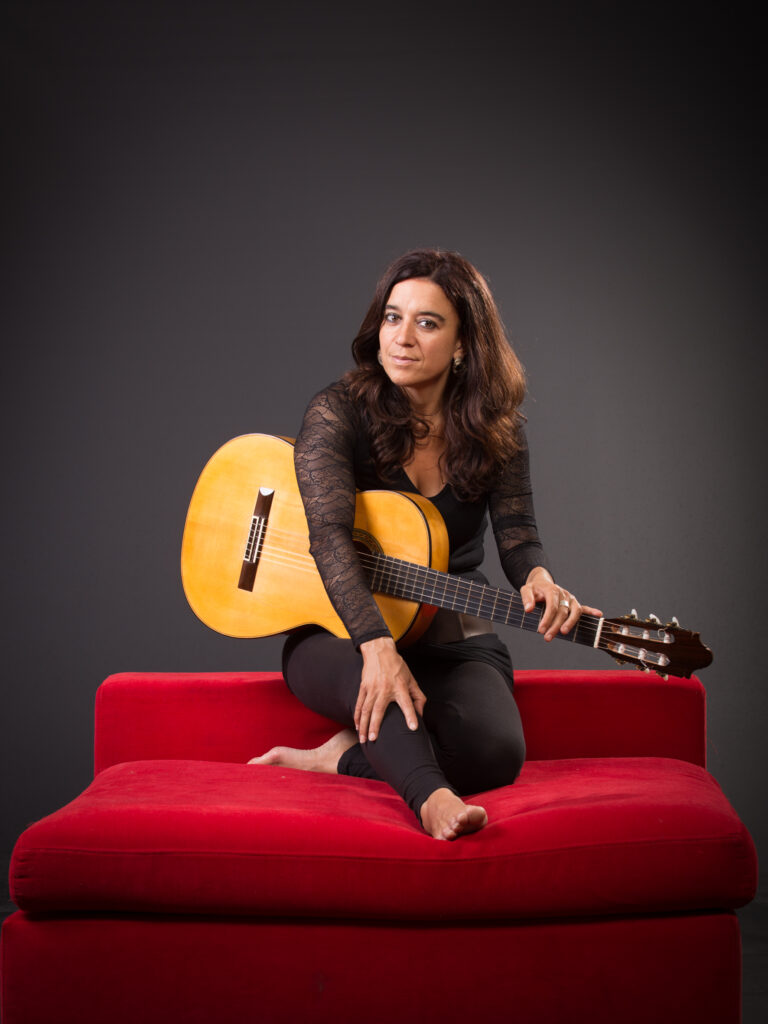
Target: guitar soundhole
x=366, y=543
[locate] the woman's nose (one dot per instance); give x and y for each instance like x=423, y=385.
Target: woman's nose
x=405, y=332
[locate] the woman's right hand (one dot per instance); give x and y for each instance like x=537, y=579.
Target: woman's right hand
x=385, y=679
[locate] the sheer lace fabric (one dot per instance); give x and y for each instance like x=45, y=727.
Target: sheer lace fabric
x=332, y=461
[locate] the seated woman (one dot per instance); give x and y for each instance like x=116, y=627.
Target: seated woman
x=433, y=407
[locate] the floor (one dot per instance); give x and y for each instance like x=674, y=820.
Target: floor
x=754, y=931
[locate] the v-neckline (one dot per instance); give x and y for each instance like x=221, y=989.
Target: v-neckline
x=429, y=497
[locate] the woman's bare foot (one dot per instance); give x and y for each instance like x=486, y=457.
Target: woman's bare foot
x=320, y=759
x=445, y=815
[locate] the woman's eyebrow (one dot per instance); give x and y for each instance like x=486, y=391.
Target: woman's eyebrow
x=424, y=312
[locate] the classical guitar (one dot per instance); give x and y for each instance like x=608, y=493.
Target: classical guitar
x=247, y=570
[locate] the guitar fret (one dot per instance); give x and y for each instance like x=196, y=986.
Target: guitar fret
x=508, y=600
x=377, y=584
x=406, y=583
x=434, y=579
x=476, y=602
x=452, y=595
x=486, y=608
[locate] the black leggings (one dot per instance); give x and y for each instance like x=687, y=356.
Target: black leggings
x=469, y=740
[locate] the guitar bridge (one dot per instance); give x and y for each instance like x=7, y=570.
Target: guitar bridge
x=255, y=538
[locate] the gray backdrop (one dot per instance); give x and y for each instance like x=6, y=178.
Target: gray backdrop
x=199, y=199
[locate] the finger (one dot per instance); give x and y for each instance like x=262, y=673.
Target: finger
x=409, y=711
x=378, y=710
x=526, y=593
x=573, y=614
x=549, y=614
x=359, y=708
x=419, y=700
x=363, y=727
x=374, y=721
x=582, y=610
x=417, y=695
x=561, y=606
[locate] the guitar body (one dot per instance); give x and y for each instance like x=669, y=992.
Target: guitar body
x=286, y=590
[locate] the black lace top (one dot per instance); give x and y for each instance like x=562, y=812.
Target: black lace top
x=333, y=459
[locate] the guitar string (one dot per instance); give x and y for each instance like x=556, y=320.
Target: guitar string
x=403, y=584
x=613, y=644
x=399, y=570
x=306, y=564
x=471, y=595
x=399, y=573
x=414, y=578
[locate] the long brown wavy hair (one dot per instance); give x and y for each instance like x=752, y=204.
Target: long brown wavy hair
x=481, y=402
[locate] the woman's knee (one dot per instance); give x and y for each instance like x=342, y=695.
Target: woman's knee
x=505, y=757
x=479, y=753
x=494, y=759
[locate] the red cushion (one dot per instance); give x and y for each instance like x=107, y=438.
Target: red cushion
x=574, y=837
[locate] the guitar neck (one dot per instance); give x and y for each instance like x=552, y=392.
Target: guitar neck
x=413, y=582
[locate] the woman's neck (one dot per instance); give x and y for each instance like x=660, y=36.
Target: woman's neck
x=436, y=424
x=427, y=404
x=431, y=412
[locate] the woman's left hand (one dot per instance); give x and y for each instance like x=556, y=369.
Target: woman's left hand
x=561, y=612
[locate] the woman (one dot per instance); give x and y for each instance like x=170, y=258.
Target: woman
x=432, y=407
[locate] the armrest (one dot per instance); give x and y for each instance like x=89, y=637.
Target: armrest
x=203, y=716
x=611, y=714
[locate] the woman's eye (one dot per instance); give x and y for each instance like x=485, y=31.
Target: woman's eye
x=390, y=318
x=429, y=324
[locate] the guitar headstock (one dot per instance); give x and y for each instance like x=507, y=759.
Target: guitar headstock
x=648, y=644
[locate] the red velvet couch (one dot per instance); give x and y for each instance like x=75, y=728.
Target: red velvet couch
x=186, y=886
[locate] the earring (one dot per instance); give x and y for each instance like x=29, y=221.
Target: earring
x=458, y=364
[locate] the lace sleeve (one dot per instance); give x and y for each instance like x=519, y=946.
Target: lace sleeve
x=514, y=524
x=324, y=469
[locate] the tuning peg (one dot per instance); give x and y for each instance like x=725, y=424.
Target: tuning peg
x=664, y=676
x=675, y=622
x=633, y=614
x=654, y=618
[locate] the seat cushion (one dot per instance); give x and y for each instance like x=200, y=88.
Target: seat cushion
x=584, y=836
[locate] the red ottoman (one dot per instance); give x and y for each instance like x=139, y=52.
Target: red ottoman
x=185, y=885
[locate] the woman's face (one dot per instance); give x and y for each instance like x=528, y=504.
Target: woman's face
x=419, y=338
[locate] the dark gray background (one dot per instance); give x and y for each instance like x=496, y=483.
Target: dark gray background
x=198, y=201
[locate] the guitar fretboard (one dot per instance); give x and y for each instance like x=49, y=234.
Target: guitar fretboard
x=417, y=583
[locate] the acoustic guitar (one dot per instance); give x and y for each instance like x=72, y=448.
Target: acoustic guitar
x=247, y=570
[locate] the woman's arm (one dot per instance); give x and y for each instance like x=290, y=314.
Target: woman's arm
x=324, y=456
x=522, y=553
